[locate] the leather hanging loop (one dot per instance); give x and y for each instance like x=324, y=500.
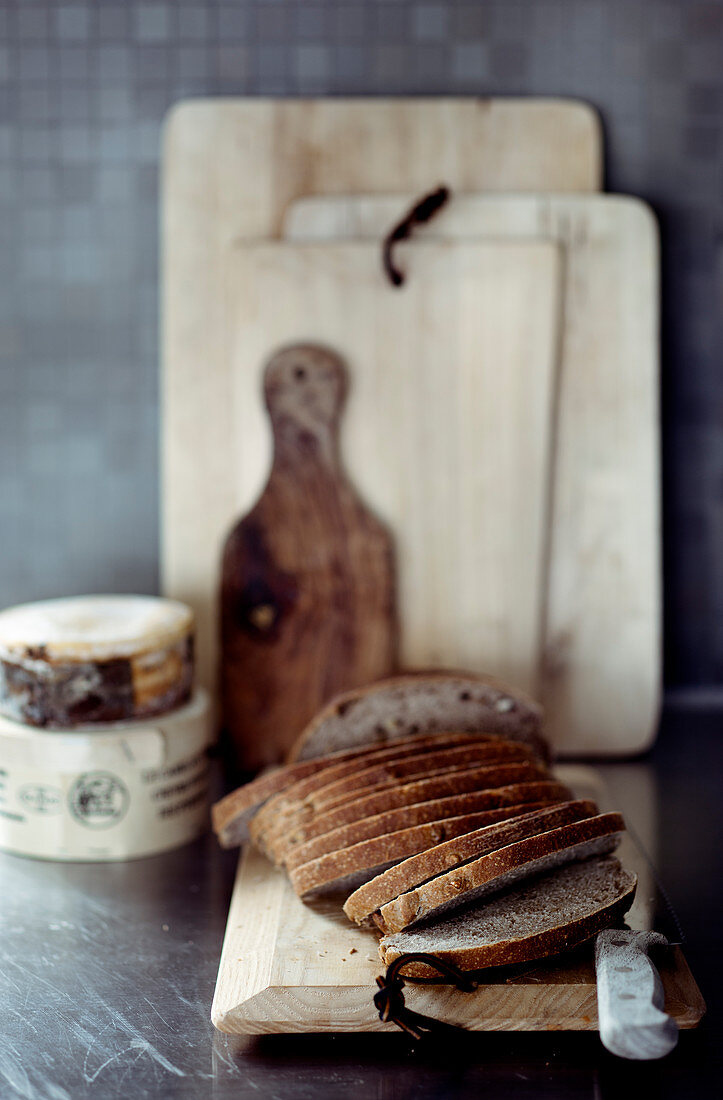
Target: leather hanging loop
x=421, y=212
x=389, y=998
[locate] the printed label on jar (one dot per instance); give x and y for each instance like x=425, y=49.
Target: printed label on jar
x=40, y=798
x=99, y=799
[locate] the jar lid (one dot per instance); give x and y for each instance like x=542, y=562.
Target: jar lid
x=92, y=628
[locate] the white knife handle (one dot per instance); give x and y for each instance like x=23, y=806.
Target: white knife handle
x=630, y=996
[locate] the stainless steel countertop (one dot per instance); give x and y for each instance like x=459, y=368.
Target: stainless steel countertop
x=107, y=974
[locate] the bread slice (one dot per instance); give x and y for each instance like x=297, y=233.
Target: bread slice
x=230, y=815
x=549, y=915
x=456, y=846
x=494, y=805
x=421, y=703
x=474, y=880
x=390, y=772
x=420, y=790
x=433, y=848
x=321, y=791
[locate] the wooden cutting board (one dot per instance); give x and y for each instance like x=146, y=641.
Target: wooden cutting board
x=600, y=682
x=447, y=429
x=230, y=169
x=290, y=967
x=308, y=604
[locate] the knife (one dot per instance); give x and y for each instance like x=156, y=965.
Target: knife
x=630, y=995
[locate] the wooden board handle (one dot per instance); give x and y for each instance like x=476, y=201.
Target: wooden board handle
x=630, y=996
x=305, y=386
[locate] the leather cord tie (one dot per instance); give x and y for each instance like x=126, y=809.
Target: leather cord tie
x=421, y=212
x=389, y=999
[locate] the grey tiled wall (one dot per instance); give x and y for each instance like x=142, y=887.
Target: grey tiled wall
x=83, y=89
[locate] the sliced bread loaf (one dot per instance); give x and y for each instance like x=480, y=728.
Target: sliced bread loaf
x=230, y=816
x=426, y=862
x=433, y=848
x=357, y=761
x=421, y=703
x=500, y=869
x=496, y=804
x=551, y=914
x=404, y=794
x=387, y=773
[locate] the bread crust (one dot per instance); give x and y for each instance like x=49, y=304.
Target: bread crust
x=537, y=942
x=433, y=848
x=416, y=816
x=288, y=813
x=230, y=814
x=405, y=703
x=435, y=859
x=449, y=783
x=468, y=882
x=485, y=753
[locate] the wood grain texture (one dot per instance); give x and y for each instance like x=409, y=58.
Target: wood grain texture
x=307, y=590
x=289, y=967
x=447, y=431
x=600, y=682
x=230, y=169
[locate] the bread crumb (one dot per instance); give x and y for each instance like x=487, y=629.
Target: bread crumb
x=353, y=951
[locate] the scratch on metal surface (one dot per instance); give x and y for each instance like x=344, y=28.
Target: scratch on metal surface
x=23, y=1016
x=165, y=1021
x=7, y=959
x=55, y=1092
x=224, y=1057
x=148, y=1048
x=14, y=1074
x=35, y=977
x=90, y=1077
x=129, y=1067
x=138, y=1042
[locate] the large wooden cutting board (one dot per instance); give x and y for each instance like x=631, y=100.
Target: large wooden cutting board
x=600, y=680
x=447, y=428
x=290, y=967
x=230, y=169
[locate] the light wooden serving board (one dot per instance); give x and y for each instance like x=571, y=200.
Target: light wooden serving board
x=446, y=433
x=230, y=169
x=290, y=967
x=600, y=682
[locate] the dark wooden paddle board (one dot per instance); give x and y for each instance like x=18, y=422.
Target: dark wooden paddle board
x=307, y=589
